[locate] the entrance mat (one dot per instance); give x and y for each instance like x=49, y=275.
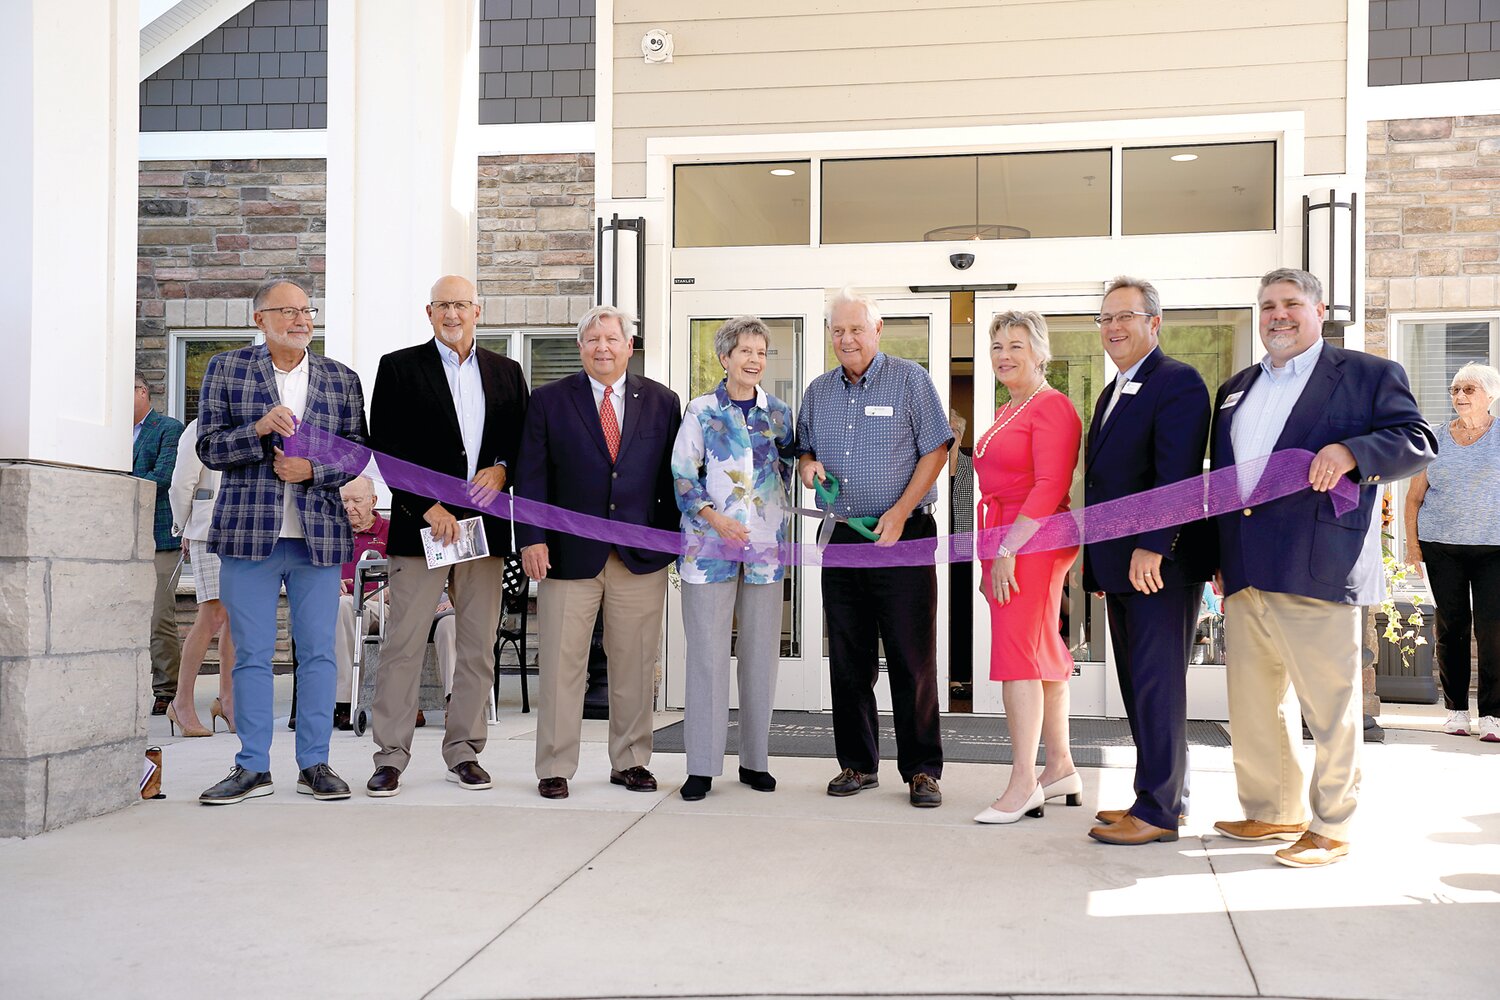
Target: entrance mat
x=966, y=738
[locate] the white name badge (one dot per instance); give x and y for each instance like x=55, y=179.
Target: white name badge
x=1130, y=389
x=1230, y=400
x=879, y=411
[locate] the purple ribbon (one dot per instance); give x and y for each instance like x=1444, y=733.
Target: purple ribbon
x=1278, y=475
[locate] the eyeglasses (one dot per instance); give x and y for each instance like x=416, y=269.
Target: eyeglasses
x=1463, y=390
x=292, y=312
x=1105, y=319
x=461, y=306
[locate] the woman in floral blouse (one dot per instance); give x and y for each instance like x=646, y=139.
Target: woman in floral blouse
x=733, y=462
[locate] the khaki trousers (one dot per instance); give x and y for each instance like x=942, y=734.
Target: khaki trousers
x=443, y=644
x=475, y=589
x=166, y=641
x=1286, y=652
x=566, y=610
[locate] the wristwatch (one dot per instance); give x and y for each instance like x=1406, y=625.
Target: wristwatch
x=1004, y=553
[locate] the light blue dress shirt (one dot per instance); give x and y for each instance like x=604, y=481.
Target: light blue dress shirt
x=468, y=398
x=1265, y=407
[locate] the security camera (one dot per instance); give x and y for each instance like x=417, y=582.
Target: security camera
x=961, y=261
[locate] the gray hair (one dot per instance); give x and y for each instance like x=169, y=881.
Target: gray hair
x=258, y=301
x=141, y=381
x=1034, y=325
x=1308, y=283
x=1148, y=291
x=367, y=482
x=847, y=296
x=1484, y=376
x=728, y=336
x=599, y=314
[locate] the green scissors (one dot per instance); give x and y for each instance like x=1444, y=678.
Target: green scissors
x=827, y=490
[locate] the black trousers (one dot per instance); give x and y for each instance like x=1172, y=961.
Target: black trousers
x=1152, y=636
x=898, y=605
x=1466, y=588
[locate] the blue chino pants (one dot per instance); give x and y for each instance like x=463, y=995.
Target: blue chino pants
x=249, y=589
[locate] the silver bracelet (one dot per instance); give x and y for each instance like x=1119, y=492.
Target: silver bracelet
x=1005, y=553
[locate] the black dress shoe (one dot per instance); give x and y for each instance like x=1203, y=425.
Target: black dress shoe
x=470, y=775
x=695, y=787
x=320, y=782
x=385, y=782
x=553, y=788
x=925, y=793
x=761, y=781
x=341, y=717
x=849, y=781
x=635, y=779
x=159, y=706
x=240, y=785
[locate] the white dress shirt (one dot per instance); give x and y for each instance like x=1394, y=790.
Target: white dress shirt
x=292, y=388
x=1121, y=381
x=617, y=397
x=1263, y=411
x=468, y=399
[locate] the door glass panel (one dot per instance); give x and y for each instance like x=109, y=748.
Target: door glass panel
x=782, y=379
x=1076, y=368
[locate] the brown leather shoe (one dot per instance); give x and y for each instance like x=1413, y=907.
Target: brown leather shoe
x=1313, y=850
x=1254, y=829
x=421, y=719
x=159, y=706
x=553, y=788
x=1130, y=831
x=385, y=782
x=1109, y=816
x=635, y=779
x=470, y=775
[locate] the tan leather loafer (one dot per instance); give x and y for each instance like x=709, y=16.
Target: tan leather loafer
x=1108, y=816
x=1130, y=831
x=1254, y=829
x=1313, y=850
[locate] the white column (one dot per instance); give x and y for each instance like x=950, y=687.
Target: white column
x=68, y=212
x=403, y=115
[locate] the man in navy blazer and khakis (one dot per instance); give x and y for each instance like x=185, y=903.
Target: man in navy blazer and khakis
x=598, y=442
x=1295, y=572
x=1150, y=429
x=279, y=520
x=153, y=456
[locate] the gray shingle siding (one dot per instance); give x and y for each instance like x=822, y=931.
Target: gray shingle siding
x=1433, y=41
x=267, y=67
x=536, y=60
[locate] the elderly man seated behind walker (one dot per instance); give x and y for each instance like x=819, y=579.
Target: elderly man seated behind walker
x=370, y=533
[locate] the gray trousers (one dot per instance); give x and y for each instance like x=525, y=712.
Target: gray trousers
x=709, y=610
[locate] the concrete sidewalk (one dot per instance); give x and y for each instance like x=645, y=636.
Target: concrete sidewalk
x=450, y=894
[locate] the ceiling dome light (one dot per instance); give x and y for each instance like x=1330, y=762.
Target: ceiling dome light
x=783, y=172
x=1184, y=157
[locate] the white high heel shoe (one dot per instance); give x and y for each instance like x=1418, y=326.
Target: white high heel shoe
x=1034, y=807
x=1071, y=786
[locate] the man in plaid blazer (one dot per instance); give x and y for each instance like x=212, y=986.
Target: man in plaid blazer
x=279, y=520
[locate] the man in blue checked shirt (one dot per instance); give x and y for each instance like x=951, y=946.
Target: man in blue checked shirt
x=876, y=424
x=279, y=520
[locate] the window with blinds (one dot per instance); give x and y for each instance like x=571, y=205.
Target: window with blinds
x=1433, y=350
x=545, y=355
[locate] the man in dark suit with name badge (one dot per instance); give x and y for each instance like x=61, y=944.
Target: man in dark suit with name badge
x=1296, y=572
x=1150, y=429
x=453, y=407
x=598, y=442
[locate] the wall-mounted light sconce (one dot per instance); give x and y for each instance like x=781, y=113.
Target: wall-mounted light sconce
x=1330, y=231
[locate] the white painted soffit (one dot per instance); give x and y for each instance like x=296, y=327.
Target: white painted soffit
x=169, y=28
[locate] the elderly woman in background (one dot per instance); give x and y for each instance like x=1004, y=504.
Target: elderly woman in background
x=1453, y=525
x=1025, y=465
x=733, y=462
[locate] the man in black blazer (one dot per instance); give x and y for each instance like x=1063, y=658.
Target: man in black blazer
x=1150, y=429
x=1296, y=572
x=455, y=408
x=580, y=451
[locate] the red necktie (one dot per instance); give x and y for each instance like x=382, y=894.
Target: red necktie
x=610, y=424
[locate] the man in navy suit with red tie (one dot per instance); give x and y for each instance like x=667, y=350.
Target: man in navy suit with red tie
x=598, y=442
x=1296, y=572
x=1150, y=429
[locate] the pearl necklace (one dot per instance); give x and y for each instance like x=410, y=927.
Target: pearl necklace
x=985, y=441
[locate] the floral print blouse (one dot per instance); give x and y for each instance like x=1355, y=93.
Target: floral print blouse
x=741, y=465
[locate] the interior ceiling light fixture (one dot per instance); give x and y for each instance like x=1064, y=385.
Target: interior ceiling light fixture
x=783, y=172
x=976, y=231
x=1184, y=157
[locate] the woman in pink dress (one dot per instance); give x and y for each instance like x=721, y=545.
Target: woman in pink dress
x=1025, y=465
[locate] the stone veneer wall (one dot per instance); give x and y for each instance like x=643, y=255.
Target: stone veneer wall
x=1432, y=219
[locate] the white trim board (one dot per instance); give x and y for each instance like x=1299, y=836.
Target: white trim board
x=543, y=137
x=1433, y=100
x=281, y=144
